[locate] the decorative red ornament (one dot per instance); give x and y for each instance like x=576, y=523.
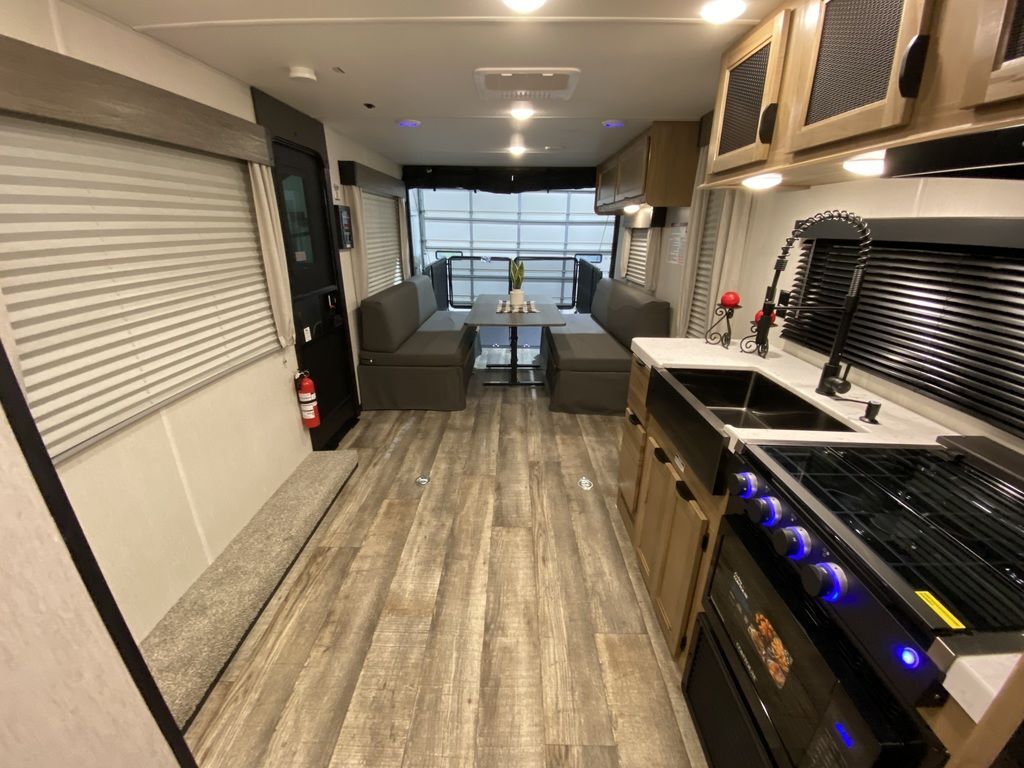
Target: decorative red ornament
x=760, y=314
x=730, y=300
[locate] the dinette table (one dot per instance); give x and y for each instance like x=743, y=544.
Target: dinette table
x=485, y=313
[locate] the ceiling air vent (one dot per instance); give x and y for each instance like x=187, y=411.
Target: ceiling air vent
x=527, y=84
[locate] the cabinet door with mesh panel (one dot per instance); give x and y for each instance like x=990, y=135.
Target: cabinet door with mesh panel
x=996, y=71
x=864, y=71
x=748, y=94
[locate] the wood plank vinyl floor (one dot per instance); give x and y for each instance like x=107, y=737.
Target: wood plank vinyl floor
x=494, y=617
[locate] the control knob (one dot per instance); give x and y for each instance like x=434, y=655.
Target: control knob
x=744, y=484
x=792, y=541
x=825, y=580
x=766, y=510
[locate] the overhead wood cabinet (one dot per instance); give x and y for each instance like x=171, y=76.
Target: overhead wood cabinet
x=866, y=61
x=748, y=95
x=997, y=68
x=656, y=168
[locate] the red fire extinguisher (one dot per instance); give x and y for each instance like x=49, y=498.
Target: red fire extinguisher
x=306, y=391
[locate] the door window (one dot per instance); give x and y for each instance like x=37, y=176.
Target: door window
x=300, y=247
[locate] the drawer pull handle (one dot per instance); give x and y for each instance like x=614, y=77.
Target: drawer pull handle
x=912, y=67
x=634, y=420
x=661, y=456
x=684, y=491
x=639, y=363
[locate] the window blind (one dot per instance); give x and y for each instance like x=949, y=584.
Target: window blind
x=636, y=260
x=383, y=244
x=700, y=303
x=947, y=321
x=130, y=274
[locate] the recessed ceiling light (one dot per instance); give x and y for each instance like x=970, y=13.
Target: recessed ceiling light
x=408, y=123
x=868, y=164
x=522, y=113
x=613, y=124
x=722, y=11
x=631, y=209
x=302, y=73
x=517, y=150
x=524, y=6
x=763, y=181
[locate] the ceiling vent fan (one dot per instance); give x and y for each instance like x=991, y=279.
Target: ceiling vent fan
x=527, y=83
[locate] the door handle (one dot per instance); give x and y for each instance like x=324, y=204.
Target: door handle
x=912, y=66
x=332, y=301
x=684, y=491
x=661, y=456
x=766, y=125
x=634, y=420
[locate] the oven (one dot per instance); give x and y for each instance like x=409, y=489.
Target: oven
x=773, y=681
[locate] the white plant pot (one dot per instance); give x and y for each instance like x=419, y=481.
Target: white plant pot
x=516, y=297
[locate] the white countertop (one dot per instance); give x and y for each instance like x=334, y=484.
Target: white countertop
x=896, y=424
x=972, y=681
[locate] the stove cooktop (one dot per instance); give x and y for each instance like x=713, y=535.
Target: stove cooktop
x=944, y=525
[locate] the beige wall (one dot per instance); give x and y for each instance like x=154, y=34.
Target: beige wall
x=67, y=699
x=160, y=499
x=774, y=213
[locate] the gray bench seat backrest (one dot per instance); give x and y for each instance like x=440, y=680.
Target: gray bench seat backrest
x=627, y=312
x=390, y=317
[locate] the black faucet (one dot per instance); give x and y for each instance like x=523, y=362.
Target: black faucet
x=832, y=381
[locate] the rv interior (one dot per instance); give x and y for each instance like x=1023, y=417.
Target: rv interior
x=520, y=383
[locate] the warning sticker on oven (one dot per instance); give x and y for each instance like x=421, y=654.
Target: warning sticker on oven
x=941, y=611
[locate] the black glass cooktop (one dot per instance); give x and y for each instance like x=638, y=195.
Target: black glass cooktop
x=953, y=531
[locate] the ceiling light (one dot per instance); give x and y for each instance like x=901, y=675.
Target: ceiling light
x=722, y=11
x=408, y=123
x=613, y=124
x=524, y=6
x=763, y=181
x=522, y=113
x=629, y=210
x=302, y=73
x=868, y=164
x=517, y=150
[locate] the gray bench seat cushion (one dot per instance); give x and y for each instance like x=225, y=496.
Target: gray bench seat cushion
x=443, y=340
x=583, y=345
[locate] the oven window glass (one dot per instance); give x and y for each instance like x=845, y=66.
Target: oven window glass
x=792, y=680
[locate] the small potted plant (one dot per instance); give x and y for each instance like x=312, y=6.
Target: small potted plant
x=516, y=273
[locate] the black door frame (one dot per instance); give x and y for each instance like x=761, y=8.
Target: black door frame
x=56, y=499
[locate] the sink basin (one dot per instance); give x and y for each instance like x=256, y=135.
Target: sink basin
x=694, y=405
x=749, y=400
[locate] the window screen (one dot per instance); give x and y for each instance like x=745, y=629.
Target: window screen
x=745, y=91
x=946, y=321
x=130, y=273
x=383, y=242
x=1015, y=35
x=636, y=259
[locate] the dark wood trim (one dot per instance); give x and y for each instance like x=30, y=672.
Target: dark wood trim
x=48, y=482
x=39, y=83
x=354, y=174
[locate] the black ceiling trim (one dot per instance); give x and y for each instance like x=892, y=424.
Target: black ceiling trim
x=498, y=180
x=988, y=232
x=369, y=179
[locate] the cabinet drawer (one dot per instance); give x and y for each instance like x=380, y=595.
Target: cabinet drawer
x=631, y=457
x=639, y=379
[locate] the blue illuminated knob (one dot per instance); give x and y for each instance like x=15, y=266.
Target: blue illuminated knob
x=792, y=541
x=745, y=485
x=825, y=580
x=766, y=510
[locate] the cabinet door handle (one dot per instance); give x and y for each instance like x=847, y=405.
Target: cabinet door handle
x=661, y=456
x=766, y=125
x=634, y=420
x=684, y=491
x=640, y=363
x=912, y=66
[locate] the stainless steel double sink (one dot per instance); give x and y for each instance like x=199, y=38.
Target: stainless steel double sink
x=694, y=405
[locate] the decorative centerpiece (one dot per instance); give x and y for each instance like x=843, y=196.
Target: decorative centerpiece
x=516, y=274
x=727, y=306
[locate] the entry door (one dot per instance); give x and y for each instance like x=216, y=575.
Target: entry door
x=318, y=301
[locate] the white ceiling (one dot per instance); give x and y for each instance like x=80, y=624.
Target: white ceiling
x=641, y=61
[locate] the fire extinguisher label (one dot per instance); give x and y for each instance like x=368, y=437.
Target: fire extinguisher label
x=307, y=411
x=307, y=397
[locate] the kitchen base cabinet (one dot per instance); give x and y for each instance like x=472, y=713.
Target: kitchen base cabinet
x=631, y=457
x=654, y=515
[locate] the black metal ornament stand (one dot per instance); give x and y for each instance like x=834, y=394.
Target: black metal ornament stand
x=724, y=314
x=752, y=342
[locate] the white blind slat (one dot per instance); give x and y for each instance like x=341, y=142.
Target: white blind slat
x=383, y=244
x=636, y=259
x=130, y=272
x=700, y=305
